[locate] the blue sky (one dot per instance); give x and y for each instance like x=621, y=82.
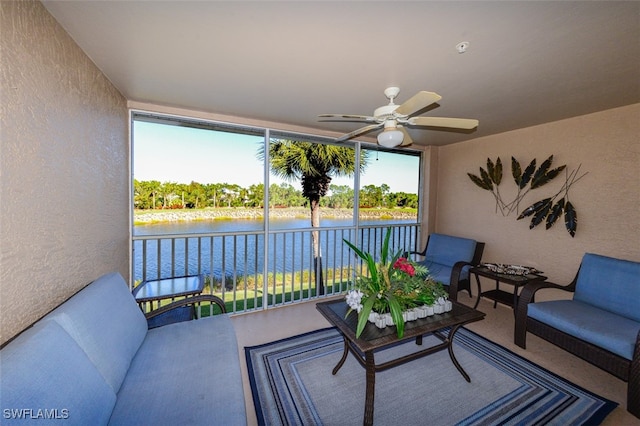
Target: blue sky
x=180, y=154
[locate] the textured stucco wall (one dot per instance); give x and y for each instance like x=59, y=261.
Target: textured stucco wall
x=607, y=199
x=64, y=202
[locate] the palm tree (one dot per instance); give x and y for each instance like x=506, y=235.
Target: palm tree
x=313, y=164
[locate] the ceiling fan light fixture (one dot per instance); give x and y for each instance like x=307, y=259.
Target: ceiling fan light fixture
x=390, y=138
x=394, y=118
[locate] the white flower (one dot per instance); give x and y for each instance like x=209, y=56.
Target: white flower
x=354, y=300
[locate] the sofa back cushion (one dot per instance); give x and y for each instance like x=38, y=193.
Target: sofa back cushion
x=46, y=375
x=610, y=284
x=106, y=322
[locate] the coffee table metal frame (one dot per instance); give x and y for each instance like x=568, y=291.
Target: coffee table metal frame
x=374, y=339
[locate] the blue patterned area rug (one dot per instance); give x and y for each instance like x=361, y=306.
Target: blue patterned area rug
x=292, y=384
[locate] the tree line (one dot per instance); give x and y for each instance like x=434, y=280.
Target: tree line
x=171, y=195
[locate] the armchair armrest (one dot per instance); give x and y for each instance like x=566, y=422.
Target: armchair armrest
x=633, y=390
x=455, y=278
x=187, y=301
x=419, y=253
x=527, y=296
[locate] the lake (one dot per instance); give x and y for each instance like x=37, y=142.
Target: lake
x=228, y=255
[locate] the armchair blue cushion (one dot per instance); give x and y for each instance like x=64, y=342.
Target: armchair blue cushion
x=601, y=324
x=443, y=251
x=610, y=284
x=449, y=258
x=602, y=328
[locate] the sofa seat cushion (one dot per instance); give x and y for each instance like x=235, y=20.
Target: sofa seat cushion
x=106, y=322
x=45, y=375
x=601, y=328
x=184, y=373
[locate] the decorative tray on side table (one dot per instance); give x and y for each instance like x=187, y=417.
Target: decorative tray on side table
x=515, y=275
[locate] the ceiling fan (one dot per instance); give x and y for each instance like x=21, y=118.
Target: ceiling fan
x=395, y=118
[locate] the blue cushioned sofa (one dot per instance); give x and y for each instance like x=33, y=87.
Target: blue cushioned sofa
x=449, y=259
x=601, y=324
x=93, y=361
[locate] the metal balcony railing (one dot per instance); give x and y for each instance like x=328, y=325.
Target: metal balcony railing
x=257, y=269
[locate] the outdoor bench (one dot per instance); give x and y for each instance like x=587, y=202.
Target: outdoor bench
x=601, y=324
x=93, y=361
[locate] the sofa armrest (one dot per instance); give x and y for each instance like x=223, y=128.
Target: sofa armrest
x=527, y=295
x=187, y=301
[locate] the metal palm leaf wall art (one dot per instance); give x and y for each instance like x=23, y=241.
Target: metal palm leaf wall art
x=547, y=210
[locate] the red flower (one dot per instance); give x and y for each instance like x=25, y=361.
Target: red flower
x=403, y=264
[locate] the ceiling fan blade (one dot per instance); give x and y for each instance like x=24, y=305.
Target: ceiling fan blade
x=419, y=101
x=348, y=117
x=406, y=140
x=453, y=123
x=358, y=132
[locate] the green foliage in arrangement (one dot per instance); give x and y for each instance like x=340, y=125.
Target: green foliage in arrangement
x=393, y=285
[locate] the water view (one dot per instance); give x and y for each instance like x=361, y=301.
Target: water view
x=228, y=248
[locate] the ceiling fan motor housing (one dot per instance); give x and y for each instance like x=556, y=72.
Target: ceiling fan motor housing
x=385, y=111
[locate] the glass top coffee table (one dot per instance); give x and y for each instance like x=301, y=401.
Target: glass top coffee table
x=374, y=339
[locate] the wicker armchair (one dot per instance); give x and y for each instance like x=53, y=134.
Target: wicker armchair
x=619, y=366
x=181, y=310
x=449, y=259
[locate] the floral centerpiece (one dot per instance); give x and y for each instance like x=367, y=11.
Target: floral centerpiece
x=393, y=285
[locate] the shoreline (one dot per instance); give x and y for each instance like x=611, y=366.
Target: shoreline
x=143, y=217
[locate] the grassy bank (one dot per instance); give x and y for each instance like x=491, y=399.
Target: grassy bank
x=281, y=287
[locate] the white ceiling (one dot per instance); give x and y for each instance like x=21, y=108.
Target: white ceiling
x=288, y=61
